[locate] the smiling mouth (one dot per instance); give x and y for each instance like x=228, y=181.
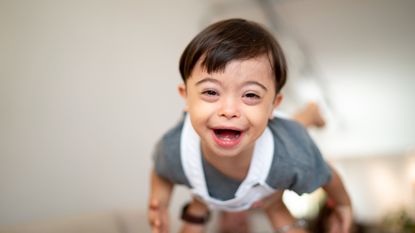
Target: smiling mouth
x=227, y=138
x=227, y=134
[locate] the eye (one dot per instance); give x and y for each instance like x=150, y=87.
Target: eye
x=210, y=95
x=251, y=98
x=210, y=92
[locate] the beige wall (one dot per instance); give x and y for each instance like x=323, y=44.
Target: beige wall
x=86, y=87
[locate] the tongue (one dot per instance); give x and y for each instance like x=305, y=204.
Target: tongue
x=227, y=134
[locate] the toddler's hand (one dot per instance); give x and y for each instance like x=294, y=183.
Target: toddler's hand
x=158, y=217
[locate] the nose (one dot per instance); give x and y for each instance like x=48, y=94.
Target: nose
x=229, y=108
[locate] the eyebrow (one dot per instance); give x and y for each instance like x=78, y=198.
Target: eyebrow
x=205, y=80
x=256, y=83
x=218, y=82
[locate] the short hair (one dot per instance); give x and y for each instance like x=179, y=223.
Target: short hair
x=233, y=39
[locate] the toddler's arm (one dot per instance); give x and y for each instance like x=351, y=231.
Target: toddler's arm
x=342, y=216
x=160, y=193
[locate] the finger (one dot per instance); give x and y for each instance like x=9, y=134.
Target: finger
x=165, y=218
x=345, y=219
x=154, y=219
x=155, y=228
x=154, y=204
x=333, y=224
x=333, y=228
x=346, y=228
x=159, y=219
x=157, y=223
x=337, y=227
x=161, y=224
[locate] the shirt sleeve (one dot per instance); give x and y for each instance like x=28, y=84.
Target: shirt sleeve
x=315, y=174
x=161, y=162
x=298, y=164
x=166, y=157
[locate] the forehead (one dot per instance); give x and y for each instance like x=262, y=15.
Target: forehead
x=256, y=68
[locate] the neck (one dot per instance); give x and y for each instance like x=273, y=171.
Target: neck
x=235, y=167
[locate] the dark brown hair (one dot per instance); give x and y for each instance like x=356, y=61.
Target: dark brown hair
x=233, y=39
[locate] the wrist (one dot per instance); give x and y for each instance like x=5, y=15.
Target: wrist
x=331, y=203
x=344, y=209
x=299, y=224
x=195, y=214
x=156, y=204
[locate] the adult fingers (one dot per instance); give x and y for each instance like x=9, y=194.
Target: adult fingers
x=334, y=225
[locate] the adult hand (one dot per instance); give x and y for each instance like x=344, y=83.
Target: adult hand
x=340, y=220
x=158, y=217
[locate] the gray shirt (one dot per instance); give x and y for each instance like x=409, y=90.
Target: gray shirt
x=297, y=164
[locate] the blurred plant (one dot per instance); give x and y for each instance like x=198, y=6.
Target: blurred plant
x=399, y=222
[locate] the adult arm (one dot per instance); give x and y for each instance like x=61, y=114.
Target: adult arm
x=160, y=193
x=341, y=218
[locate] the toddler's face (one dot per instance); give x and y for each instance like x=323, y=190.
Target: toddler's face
x=230, y=110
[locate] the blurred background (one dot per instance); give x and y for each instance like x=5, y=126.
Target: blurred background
x=88, y=87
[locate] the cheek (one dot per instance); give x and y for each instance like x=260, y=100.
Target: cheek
x=200, y=108
x=260, y=115
x=200, y=112
x=270, y=108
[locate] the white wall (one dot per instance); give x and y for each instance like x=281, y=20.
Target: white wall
x=86, y=88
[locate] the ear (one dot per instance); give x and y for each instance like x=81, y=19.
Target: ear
x=277, y=101
x=182, y=90
x=183, y=93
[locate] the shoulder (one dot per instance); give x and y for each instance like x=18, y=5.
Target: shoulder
x=291, y=139
x=170, y=141
x=286, y=128
x=166, y=155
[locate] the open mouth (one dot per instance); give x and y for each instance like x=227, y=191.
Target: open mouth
x=227, y=134
x=227, y=138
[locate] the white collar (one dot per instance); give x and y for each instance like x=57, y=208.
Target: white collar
x=191, y=159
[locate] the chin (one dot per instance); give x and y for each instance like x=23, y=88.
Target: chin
x=226, y=152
